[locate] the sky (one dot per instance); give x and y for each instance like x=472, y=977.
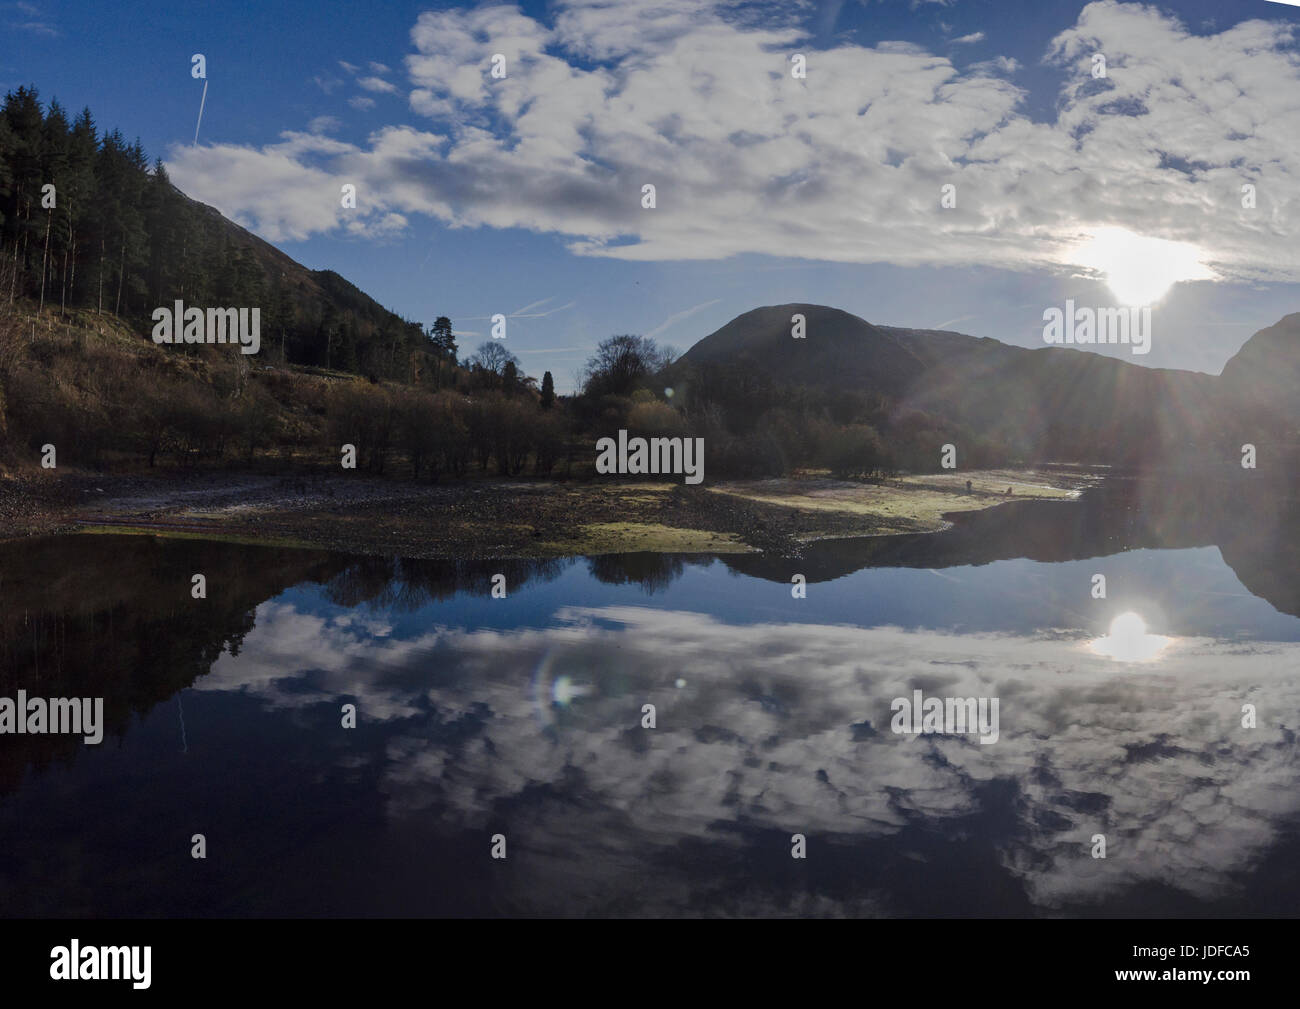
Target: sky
x=768, y=722
x=522, y=195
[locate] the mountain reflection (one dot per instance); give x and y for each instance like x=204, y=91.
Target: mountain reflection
x=523, y=716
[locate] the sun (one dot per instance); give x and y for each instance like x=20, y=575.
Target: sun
x=1128, y=640
x=1139, y=270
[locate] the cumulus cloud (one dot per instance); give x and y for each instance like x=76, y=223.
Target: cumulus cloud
x=299, y=197
x=779, y=728
x=377, y=85
x=845, y=165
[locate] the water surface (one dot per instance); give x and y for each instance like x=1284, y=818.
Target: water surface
x=523, y=717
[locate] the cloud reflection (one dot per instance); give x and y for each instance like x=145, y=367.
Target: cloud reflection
x=783, y=728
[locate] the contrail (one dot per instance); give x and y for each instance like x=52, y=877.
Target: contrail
x=201, y=101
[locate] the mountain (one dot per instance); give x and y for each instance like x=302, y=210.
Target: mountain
x=1266, y=370
x=840, y=350
x=315, y=317
x=1057, y=402
x=315, y=295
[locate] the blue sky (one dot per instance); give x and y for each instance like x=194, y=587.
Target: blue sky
x=522, y=196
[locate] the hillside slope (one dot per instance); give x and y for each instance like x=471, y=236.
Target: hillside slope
x=1056, y=402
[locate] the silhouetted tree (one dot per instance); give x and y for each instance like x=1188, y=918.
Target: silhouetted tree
x=621, y=363
x=492, y=357
x=441, y=337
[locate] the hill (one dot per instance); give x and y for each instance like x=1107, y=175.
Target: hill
x=1041, y=403
x=1266, y=370
x=85, y=223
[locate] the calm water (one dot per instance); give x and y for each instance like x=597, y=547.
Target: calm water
x=522, y=716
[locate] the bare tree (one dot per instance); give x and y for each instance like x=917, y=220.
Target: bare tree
x=492, y=356
x=621, y=363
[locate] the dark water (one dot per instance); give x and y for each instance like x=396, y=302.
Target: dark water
x=523, y=717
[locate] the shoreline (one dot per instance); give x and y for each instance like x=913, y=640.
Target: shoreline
x=482, y=518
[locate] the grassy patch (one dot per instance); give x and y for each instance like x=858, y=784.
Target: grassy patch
x=637, y=537
x=906, y=504
x=185, y=534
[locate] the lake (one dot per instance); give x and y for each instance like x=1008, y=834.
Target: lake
x=524, y=717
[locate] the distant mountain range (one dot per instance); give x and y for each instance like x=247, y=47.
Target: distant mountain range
x=1049, y=401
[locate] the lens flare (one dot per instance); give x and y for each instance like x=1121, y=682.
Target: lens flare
x=553, y=693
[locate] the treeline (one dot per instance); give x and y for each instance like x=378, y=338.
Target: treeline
x=114, y=400
x=763, y=427
x=86, y=223
x=753, y=426
x=91, y=233
x=446, y=433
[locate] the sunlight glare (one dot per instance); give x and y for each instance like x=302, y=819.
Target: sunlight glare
x=1140, y=270
x=1128, y=640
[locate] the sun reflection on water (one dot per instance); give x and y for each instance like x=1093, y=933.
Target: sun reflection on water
x=1128, y=640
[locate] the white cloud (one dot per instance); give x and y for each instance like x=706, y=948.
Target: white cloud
x=298, y=198
x=972, y=37
x=377, y=85
x=36, y=27
x=351, y=68
x=323, y=124
x=846, y=165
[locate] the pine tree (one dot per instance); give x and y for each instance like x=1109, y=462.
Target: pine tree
x=55, y=141
x=443, y=340
x=22, y=111
x=77, y=194
x=163, y=225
